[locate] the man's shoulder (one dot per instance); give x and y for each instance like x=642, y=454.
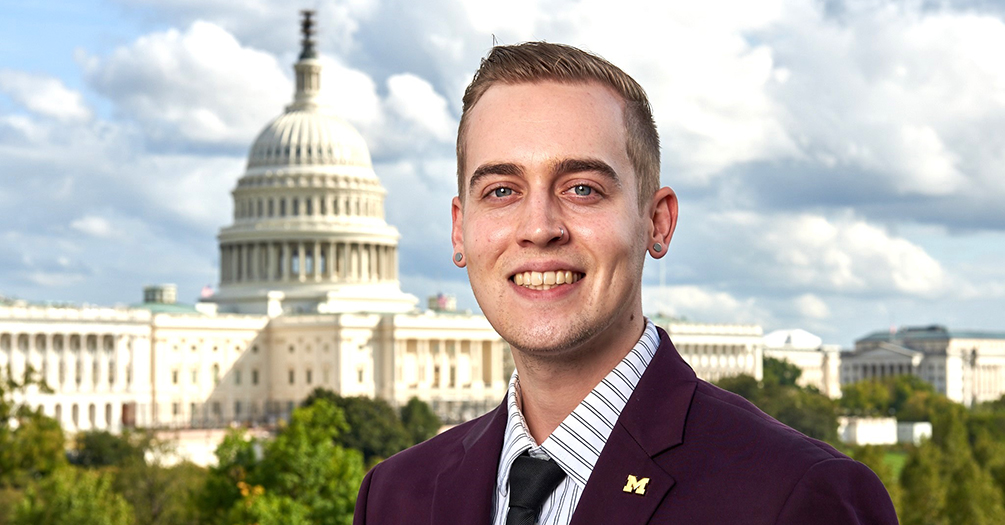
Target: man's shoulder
x=734, y=451
x=400, y=489
x=730, y=417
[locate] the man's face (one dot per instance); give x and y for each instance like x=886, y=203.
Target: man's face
x=550, y=227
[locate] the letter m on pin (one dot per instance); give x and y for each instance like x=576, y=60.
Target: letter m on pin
x=636, y=485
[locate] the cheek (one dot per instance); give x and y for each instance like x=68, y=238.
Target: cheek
x=484, y=237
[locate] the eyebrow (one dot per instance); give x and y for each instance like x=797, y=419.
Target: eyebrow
x=561, y=167
x=499, y=168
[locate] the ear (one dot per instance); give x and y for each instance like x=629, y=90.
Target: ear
x=457, y=232
x=663, y=213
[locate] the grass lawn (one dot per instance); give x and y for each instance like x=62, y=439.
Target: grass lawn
x=895, y=460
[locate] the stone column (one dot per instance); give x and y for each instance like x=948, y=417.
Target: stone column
x=332, y=268
x=317, y=260
x=284, y=260
x=235, y=267
x=252, y=262
x=341, y=250
x=302, y=268
x=351, y=261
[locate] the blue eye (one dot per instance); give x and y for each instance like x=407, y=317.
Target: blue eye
x=582, y=190
x=502, y=192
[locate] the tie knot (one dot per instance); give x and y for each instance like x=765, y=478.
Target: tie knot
x=531, y=481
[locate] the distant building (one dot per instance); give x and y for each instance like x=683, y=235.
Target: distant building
x=820, y=364
x=714, y=350
x=867, y=430
x=966, y=366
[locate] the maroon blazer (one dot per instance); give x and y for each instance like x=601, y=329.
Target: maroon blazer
x=710, y=456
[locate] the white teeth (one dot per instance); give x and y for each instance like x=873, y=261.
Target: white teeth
x=546, y=280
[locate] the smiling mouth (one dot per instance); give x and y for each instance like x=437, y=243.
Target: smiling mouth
x=546, y=280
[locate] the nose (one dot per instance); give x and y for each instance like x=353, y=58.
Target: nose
x=541, y=222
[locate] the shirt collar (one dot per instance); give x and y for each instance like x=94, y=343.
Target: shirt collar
x=577, y=442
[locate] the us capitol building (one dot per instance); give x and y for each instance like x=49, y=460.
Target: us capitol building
x=308, y=297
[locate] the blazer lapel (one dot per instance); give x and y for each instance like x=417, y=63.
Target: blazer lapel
x=467, y=482
x=652, y=422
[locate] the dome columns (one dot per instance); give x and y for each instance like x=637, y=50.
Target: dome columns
x=308, y=261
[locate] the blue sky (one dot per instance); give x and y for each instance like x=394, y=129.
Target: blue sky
x=840, y=165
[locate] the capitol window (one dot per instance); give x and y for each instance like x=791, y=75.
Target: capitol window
x=254, y=376
x=272, y=207
x=259, y=207
x=296, y=207
x=308, y=207
x=282, y=207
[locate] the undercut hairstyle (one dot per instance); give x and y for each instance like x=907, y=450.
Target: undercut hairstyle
x=532, y=62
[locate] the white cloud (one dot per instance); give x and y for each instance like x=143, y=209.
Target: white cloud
x=420, y=106
x=199, y=85
x=44, y=95
x=841, y=254
x=911, y=96
x=92, y=225
x=702, y=304
x=811, y=306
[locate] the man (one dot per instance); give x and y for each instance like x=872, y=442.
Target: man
x=558, y=203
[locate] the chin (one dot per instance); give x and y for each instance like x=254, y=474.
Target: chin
x=547, y=340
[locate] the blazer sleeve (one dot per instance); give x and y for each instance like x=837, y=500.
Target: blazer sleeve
x=838, y=491
x=359, y=513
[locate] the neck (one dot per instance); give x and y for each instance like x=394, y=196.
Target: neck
x=550, y=389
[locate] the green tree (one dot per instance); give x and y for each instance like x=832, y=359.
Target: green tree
x=374, y=427
x=71, y=496
x=973, y=497
x=31, y=443
x=421, y=423
x=304, y=474
x=236, y=461
x=780, y=372
x=923, y=496
x=99, y=448
x=161, y=495
x=807, y=411
x=866, y=398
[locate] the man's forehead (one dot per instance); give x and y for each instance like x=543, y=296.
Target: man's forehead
x=517, y=113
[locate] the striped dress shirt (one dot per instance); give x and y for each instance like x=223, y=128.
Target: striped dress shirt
x=576, y=444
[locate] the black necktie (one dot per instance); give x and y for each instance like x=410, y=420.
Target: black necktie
x=531, y=481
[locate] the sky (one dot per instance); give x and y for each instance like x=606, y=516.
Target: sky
x=840, y=165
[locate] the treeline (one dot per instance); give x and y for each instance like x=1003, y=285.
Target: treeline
x=307, y=474
x=957, y=477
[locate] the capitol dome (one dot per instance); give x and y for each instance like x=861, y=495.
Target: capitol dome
x=308, y=137
x=309, y=226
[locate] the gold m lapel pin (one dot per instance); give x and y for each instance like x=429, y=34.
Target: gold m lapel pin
x=636, y=485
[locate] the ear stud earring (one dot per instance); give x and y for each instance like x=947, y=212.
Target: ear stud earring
x=657, y=247
x=458, y=256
